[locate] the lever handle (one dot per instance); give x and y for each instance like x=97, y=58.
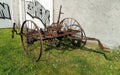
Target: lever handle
x=13, y=30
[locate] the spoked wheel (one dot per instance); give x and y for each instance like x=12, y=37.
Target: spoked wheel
x=71, y=24
x=31, y=40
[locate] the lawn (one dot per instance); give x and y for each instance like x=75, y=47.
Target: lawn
x=69, y=61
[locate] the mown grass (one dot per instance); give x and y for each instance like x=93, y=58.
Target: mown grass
x=69, y=61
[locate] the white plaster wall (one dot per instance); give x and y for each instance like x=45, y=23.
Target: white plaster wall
x=18, y=7
x=99, y=18
x=5, y=23
x=15, y=6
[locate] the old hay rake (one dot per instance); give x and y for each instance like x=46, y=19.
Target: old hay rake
x=33, y=37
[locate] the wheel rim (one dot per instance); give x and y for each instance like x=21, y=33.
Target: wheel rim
x=31, y=40
x=70, y=23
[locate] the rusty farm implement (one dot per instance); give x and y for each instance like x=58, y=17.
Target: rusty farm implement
x=33, y=37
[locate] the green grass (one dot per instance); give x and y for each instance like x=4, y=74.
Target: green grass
x=55, y=62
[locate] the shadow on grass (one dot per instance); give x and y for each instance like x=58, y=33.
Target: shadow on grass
x=98, y=52
x=65, y=48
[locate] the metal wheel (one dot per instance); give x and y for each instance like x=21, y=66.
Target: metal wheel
x=31, y=40
x=71, y=24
